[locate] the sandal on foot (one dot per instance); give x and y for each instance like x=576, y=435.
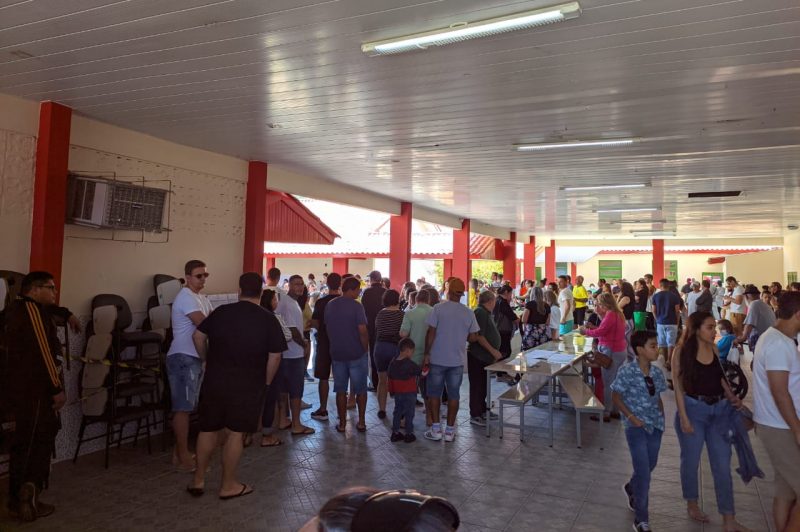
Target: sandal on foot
x=195, y=492
x=698, y=515
x=246, y=490
x=341, y=428
x=361, y=428
x=274, y=442
x=304, y=431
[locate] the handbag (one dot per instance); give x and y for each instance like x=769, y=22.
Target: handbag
x=744, y=412
x=596, y=359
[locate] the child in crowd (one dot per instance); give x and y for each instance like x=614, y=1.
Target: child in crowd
x=727, y=337
x=637, y=394
x=551, y=299
x=403, y=374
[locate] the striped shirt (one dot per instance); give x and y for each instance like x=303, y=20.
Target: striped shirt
x=387, y=325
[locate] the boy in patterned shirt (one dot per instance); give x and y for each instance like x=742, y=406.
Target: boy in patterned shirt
x=637, y=394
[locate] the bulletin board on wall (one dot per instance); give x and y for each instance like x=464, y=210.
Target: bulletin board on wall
x=671, y=270
x=713, y=276
x=609, y=269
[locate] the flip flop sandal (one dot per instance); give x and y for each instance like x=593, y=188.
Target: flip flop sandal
x=242, y=493
x=304, y=432
x=361, y=428
x=341, y=428
x=195, y=492
x=247, y=440
x=274, y=443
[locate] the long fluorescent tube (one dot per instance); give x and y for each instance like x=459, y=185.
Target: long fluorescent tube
x=604, y=187
x=607, y=143
x=619, y=222
x=634, y=209
x=652, y=234
x=472, y=30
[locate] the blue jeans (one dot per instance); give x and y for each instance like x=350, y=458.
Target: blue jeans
x=404, y=406
x=185, y=374
x=644, y=449
x=353, y=371
x=710, y=428
x=441, y=376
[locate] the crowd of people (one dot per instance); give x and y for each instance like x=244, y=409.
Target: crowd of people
x=243, y=368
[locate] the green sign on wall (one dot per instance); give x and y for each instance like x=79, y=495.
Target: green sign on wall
x=791, y=277
x=610, y=269
x=671, y=270
x=713, y=276
x=562, y=268
x=538, y=273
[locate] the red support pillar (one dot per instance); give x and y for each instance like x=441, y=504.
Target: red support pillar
x=447, y=270
x=341, y=265
x=529, y=259
x=550, y=262
x=255, y=215
x=50, y=189
x=573, y=271
x=269, y=262
x=658, y=260
x=400, y=245
x=461, y=263
x=510, y=259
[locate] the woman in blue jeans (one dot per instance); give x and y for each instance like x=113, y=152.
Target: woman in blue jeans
x=704, y=397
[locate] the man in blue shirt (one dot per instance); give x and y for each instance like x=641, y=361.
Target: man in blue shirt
x=346, y=323
x=666, y=309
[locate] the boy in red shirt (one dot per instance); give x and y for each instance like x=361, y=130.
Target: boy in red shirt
x=403, y=374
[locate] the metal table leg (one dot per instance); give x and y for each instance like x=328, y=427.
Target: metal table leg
x=488, y=403
x=551, y=385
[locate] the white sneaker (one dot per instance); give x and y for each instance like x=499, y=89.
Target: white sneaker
x=435, y=435
x=644, y=526
x=449, y=436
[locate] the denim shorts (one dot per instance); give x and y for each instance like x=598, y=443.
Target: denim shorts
x=667, y=335
x=441, y=376
x=384, y=353
x=353, y=371
x=292, y=379
x=185, y=373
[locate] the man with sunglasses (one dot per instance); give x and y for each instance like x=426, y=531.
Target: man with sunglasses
x=184, y=366
x=35, y=391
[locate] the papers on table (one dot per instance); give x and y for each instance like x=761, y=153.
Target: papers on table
x=551, y=357
x=561, y=358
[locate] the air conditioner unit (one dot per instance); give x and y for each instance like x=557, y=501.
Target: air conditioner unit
x=102, y=203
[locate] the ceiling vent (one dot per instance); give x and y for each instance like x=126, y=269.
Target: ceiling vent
x=723, y=194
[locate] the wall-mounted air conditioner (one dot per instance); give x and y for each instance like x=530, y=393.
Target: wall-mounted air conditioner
x=103, y=203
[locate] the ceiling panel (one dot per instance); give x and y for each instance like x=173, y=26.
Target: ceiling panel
x=711, y=87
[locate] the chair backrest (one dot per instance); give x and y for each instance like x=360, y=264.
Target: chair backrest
x=94, y=376
x=124, y=315
x=13, y=281
x=168, y=291
x=161, y=317
x=98, y=345
x=104, y=319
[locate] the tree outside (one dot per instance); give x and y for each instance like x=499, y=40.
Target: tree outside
x=481, y=269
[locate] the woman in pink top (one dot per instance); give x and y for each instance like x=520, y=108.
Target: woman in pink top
x=611, y=339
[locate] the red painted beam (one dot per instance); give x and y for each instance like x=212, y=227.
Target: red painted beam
x=255, y=215
x=340, y=265
x=529, y=259
x=550, y=262
x=50, y=189
x=462, y=268
x=573, y=270
x=658, y=260
x=510, y=269
x=400, y=245
x=447, y=269
x=269, y=261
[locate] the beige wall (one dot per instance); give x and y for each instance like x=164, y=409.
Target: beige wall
x=756, y=268
x=791, y=254
x=206, y=217
x=303, y=267
x=635, y=266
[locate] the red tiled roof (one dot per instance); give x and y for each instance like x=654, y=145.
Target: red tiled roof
x=288, y=220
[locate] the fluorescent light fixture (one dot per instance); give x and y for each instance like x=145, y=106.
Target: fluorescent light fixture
x=600, y=143
x=603, y=187
x=651, y=234
x=631, y=209
x=620, y=222
x=472, y=30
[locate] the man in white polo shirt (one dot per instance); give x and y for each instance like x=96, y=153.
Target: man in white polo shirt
x=776, y=374
x=736, y=304
x=184, y=366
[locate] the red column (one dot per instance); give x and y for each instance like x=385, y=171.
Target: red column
x=400, y=245
x=510, y=259
x=269, y=262
x=447, y=270
x=529, y=259
x=573, y=270
x=658, y=260
x=340, y=265
x=50, y=189
x=255, y=215
x=550, y=262
x=461, y=264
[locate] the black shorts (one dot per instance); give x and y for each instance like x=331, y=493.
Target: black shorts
x=292, y=376
x=322, y=360
x=236, y=409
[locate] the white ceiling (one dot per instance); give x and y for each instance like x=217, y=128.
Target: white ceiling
x=712, y=86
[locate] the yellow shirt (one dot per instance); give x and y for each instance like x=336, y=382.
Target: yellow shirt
x=473, y=299
x=579, y=292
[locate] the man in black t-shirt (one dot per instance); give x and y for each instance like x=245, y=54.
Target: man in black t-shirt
x=241, y=344
x=322, y=361
x=372, y=299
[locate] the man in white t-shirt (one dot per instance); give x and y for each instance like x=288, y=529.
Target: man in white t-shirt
x=776, y=374
x=735, y=304
x=273, y=279
x=184, y=366
x=567, y=304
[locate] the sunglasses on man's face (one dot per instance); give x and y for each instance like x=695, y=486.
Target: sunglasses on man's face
x=651, y=386
x=201, y=276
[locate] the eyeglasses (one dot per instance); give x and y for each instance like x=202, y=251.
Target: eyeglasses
x=48, y=286
x=201, y=276
x=651, y=386
x=394, y=510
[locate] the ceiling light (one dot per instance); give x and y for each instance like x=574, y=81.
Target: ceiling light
x=603, y=187
x=601, y=143
x=632, y=209
x=651, y=234
x=618, y=222
x=471, y=30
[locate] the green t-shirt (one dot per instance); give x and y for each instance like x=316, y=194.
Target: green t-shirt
x=414, y=324
x=488, y=331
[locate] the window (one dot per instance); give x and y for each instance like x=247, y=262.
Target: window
x=610, y=269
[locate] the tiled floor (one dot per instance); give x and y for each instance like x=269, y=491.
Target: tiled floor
x=496, y=484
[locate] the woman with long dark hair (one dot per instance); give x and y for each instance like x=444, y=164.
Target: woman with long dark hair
x=627, y=301
x=704, y=399
x=535, y=320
